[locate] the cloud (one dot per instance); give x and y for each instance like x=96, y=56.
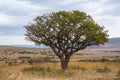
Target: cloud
x=14, y=14
x=4, y=19
x=0, y=32
x=18, y=12
x=20, y=5
x=111, y=23
x=66, y=2
x=6, y=30
x=14, y=21
x=13, y=40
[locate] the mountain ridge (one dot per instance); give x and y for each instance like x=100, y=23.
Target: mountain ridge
x=112, y=45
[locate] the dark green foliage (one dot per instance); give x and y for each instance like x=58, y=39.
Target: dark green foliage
x=24, y=57
x=65, y=33
x=39, y=60
x=24, y=52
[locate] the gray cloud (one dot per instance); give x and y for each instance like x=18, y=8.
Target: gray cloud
x=14, y=14
x=18, y=31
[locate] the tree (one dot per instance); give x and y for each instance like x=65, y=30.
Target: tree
x=66, y=33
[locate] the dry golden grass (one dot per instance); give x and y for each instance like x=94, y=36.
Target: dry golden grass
x=90, y=65
x=52, y=70
x=76, y=71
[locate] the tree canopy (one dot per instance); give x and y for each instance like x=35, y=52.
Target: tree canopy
x=65, y=33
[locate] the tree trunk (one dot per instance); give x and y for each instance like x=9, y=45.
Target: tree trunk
x=64, y=63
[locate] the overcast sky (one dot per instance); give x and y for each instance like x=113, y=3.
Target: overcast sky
x=14, y=14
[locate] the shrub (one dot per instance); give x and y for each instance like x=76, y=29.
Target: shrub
x=103, y=70
x=24, y=52
x=24, y=57
x=39, y=60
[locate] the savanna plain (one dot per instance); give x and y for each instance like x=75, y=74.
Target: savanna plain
x=17, y=63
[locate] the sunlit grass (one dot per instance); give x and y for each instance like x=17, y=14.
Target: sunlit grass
x=77, y=70
x=52, y=71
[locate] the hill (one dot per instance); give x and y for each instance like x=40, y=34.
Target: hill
x=112, y=45
x=114, y=42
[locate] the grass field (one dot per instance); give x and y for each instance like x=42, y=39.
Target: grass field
x=42, y=64
x=52, y=71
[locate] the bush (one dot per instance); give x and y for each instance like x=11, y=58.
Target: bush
x=103, y=70
x=24, y=52
x=24, y=57
x=40, y=60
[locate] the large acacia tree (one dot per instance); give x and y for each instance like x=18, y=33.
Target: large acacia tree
x=65, y=33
